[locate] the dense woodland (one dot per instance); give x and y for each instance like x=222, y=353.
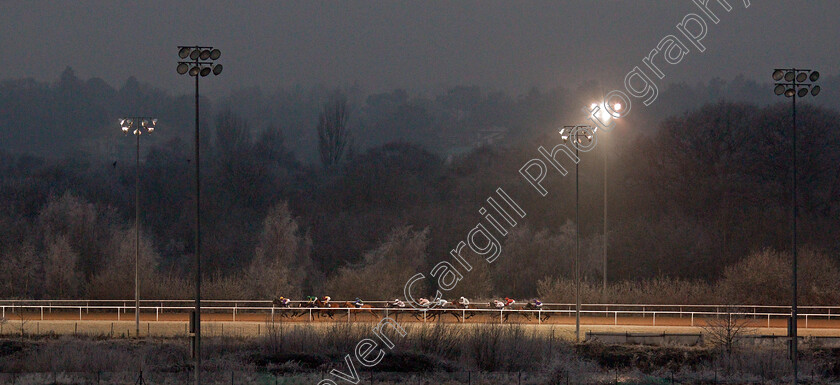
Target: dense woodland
x=699, y=193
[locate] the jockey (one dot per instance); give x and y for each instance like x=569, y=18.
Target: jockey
x=310, y=300
x=398, y=303
x=464, y=301
x=326, y=300
x=284, y=301
x=423, y=302
x=358, y=302
x=498, y=304
x=537, y=303
x=509, y=301
x=441, y=302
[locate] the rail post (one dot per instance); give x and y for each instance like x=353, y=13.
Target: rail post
x=42, y=315
x=157, y=314
x=310, y=314
x=692, y=318
x=80, y=313
x=616, y=318
x=234, y=312
x=654, y=318
x=348, y=315
x=539, y=316
x=118, y=313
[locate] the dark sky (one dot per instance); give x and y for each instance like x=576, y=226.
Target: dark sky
x=420, y=45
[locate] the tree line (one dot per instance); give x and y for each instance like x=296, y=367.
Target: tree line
x=693, y=198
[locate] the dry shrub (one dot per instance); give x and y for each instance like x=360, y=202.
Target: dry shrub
x=386, y=269
x=532, y=255
x=657, y=290
x=764, y=278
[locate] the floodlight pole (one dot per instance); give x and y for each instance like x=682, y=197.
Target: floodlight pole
x=574, y=136
x=796, y=85
x=577, y=241
x=606, y=156
x=197, y=242
x=138, y=124
x=794, y=311
x=137, y=239
x=201, y=66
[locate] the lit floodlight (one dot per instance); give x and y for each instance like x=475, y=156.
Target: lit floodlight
x=183, y=68
x=564, y=133
x=194, y=71
x=205, y=71
x=217, y=69
x=778, y=74
x=802, y=92
x=801, y=77
x=215, y=54
x=593, y=105
x=815, y=90
x=184, y=52
x=814, y=76
x=789, y=76
x=780, y=89
x=204, y=55
x=195, y=54
x=790, y=92
x=617, y=107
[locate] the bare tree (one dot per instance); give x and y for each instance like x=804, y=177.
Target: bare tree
x=282, y=258
x=333, y=132
x=724, y=331
x=23, y=321
x=61, y=271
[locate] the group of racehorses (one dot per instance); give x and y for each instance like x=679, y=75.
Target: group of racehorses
x=461, y=308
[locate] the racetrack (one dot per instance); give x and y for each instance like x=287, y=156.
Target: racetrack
x=249, y=322
x=251, y=317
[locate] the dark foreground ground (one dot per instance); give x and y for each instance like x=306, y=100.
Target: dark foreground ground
x=426, y=355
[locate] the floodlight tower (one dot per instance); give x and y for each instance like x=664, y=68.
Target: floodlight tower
x=137, y=125
x=605, y=117
x=201, y=64
x=795, y=83
x=580, y=136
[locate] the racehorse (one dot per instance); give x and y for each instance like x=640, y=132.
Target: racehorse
x=400, y=307
x=535, y=306
x=451, y=308
x=463, y=304
x=502, y=305
x=353, y=305
x=284, y=306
